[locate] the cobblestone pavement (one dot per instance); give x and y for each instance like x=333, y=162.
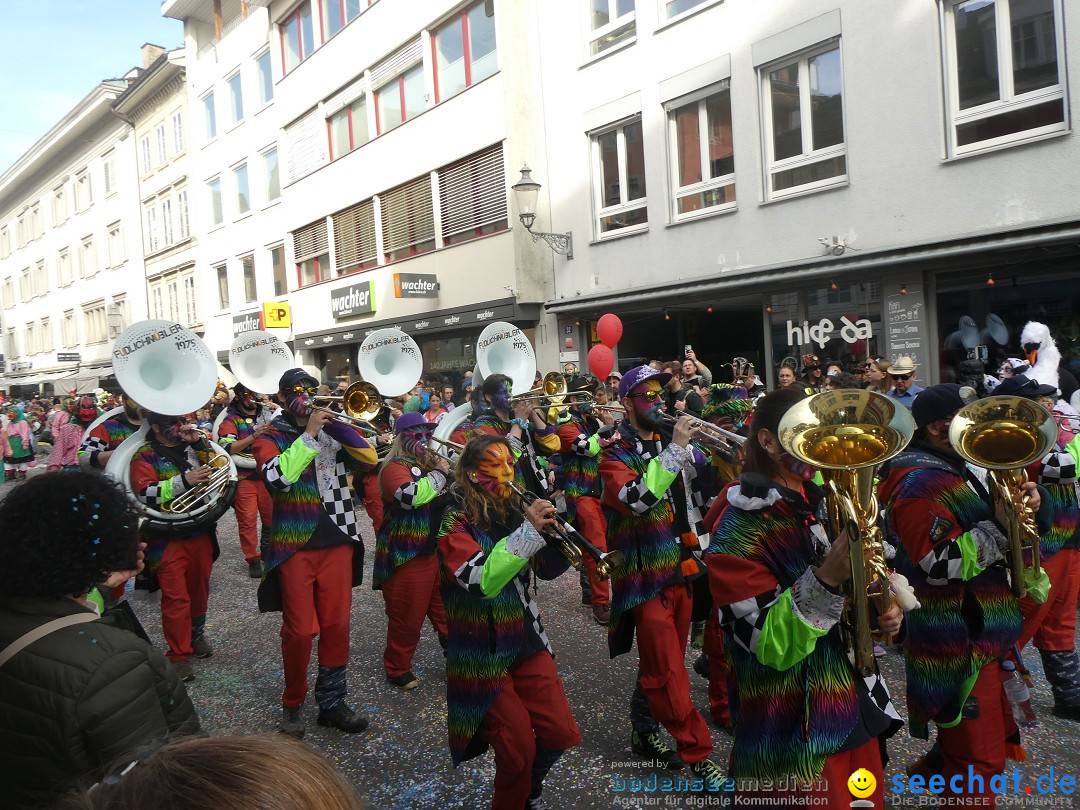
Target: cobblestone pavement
x=402, y=761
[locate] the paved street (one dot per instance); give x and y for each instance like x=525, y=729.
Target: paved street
x=402, y=760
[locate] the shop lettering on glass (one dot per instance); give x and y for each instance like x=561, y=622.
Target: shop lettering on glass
x=824, y=331
x=905, y=325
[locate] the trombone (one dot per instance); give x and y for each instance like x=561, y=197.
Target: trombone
x=361, y=402
x=553, y=388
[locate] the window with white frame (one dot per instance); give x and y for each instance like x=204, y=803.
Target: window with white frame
x=182, y=211
x=11, y=347
x=87, y=258
x=37, y=224
x=64, y=274
x=243, y=192
x=673, y=8
x=619, y=177
x=354, y=239
x=108, y=170
x=210, y=116
x=69, y=332
x=803, y=116
x=157, y=299
x=40, y=279
x=117, y=254
x=162, y=151
x=221, y=273
x=311, y=250
x=120, y=307
x=47, y=338
x=5, y=243
x=297, y=36
x=214, y=189
x=264, y=72
x=168, y=230
x=9, y=293
x=464, y=50
x=398, y=82
x=472, y=196
x=83, y=194
x=97, y=325
x=271, y=174
x=610, y=22
x=702, y=153
x=1005, y=72
x=250, y=290
x=153, y=235
x=59, y=206
x=408, y=220
x=277, y=263
x=348, y=127
x=178, y=132
x=236, y=97
x=32, y=345
x=22, y=229
x=172, y=297
x=144, y=154
x=26, y=286
x=191, y=302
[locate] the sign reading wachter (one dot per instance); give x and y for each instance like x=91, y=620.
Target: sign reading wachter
x=356, y=299
x=416, y=285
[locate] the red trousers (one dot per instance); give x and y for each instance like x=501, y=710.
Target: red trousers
x=315, y=585
x=663, y=628
x=251, y=497
x=833, y=784
x=530, y=711
x=411, y=593
x=978, y=742
x=718, y=674
x=1053, y=625
x=590, y=522
x=371, y=496
x=184, y=577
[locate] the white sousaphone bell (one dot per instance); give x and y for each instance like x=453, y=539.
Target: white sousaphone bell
x=168, y=369
x=391, y=361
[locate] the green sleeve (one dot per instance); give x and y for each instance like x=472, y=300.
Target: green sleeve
x=594, y=445
x=785, y=639
x=500, y=567
x=295, y=459
x=166, y=491
x=425, y=492
x=969, y=557
x=658, y=479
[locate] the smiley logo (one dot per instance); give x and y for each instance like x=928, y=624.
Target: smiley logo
x=861, y=783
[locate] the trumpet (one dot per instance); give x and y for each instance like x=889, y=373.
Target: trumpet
x=573, y=544
x=710, y=435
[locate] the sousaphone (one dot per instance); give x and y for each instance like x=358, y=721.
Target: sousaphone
x=391, y=361
x=258, y=359
x=502, y=348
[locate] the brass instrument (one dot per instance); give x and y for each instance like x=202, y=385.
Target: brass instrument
x=709, y=434
x=361, y=402
x=846, y=434
x=573, y=544
x=1004, y=435
x=553, y=389
x=222, y=473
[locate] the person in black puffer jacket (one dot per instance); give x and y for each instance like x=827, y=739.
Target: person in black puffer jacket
x=78, y=698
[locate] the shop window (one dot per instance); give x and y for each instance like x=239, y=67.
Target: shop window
x=619, y=179
x=472, y=196
x=312, y=253
x=1005, y=70
x=408, y=223
x=354, y=238
x=464, y=50
x=803, y=115
x=702, y=153
x=611, y=22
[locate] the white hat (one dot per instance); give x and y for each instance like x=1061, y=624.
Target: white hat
x=902, y=365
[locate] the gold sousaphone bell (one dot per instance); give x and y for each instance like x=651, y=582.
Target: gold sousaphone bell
x=361, y=403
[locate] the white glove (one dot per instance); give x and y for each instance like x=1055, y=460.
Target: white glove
x=525, y=541
x=902, y=592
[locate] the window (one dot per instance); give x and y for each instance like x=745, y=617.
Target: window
x=83, y=195
x=182, y=205
x=167, y=231
x=153, y=236
x=191, y=302
x=37, y=225
x=673, y=8
x=804, y=122
x=464, y=50
x=117, y=254
x=611, y=22
x=69, y=332
x=702, y=154
x=348, y=128
x=354, y=238
x=47, y=339
x=277, y=259
x=162, y=154
x=408, y=224
x=273, y=178
x=157, y=301
x=5, y=243
x=9, y=293
x=40, y=280
x=59, y=206
x=214, y=187
x=88, y=258
x=399, y=100
x=32, y=346
x=172, y=297
x=144, y=153
x=222, y=273
x=236, y=98
x=266, y=78
x=64, y=275
x=311, y=249
x=211, y=116
x=26, y=289
x=120, y=309
x=472, y=196
x=178, y=132
x=108, y=169
x=243, y=193
x=336, y=14
x=22, y=229
x=97, y=329
x=619, y=169
x=297, y=36
x=1006, y=77
x=248, y=263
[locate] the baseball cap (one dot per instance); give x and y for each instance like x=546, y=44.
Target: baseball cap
x=294, y=377
x=937, y=402
x=1021, y=386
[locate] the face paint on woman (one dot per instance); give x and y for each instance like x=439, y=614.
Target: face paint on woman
x=415, y=441
x=797, y=468
x=171, y=432
x=500, y=400
x=247, y=401
x=495, y=471
x=298, y=404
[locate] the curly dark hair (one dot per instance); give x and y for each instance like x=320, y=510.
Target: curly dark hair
x=64, y=533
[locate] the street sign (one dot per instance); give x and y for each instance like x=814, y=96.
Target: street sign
x=68, y=357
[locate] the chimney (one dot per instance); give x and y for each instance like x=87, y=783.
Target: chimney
x=150, y=53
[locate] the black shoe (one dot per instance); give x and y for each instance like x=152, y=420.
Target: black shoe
x=406, y=681
x=185, y=670
x=709, y=773
x=201, y=648
x=601, y=613
x=291, y=722
x=653, y=746
x=1067, y=712
x=255, y=569
x=343, y=718
x=702, y=667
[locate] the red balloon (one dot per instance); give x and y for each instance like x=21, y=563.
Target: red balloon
x=609, y=329
x=601, y=361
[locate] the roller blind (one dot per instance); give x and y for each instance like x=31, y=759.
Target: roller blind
x=407, y=215
x=472, y=192
x=354, y=235
x=310, y=241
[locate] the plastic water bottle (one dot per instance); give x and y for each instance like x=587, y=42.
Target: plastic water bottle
x=1019, y=697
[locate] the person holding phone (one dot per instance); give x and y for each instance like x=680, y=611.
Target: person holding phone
x=694, y=372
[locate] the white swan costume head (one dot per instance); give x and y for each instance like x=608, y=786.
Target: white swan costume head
x=1045, y=357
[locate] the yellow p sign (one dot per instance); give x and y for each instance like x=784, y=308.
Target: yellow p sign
x=277, y=315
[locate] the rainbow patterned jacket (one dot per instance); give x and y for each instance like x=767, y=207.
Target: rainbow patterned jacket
x=412, y=504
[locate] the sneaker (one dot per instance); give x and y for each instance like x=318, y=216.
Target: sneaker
x=291, y=722
x=342, y=718
x=185, y=670
x=201, y=648
x=602, y=613
x=709, y=772
x=879, y=651
x=406, y=681
x=653, y=746
x=255, y=569
x=702, y=666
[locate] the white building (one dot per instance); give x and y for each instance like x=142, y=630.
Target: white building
x=70, y=250
x=750, y=178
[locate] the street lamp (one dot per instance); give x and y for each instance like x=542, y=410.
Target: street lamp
x=526, y=191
